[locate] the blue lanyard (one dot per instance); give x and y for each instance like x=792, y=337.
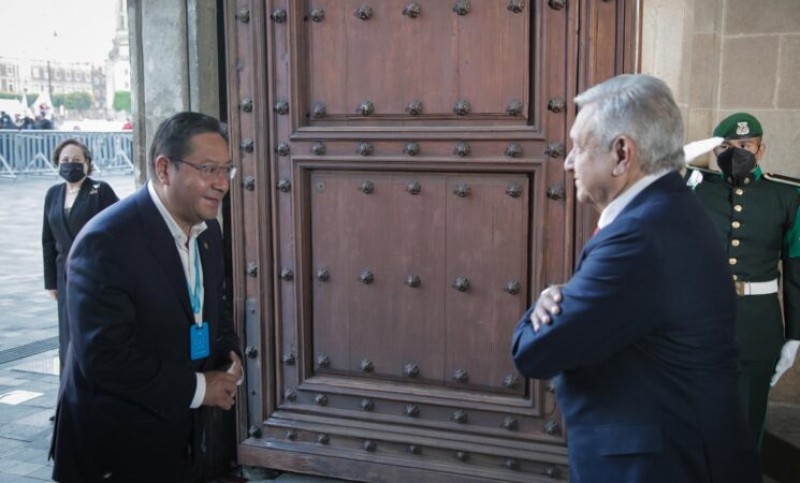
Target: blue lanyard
x=196, y=294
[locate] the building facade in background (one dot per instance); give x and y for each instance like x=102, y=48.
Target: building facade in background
x=30, y=77
x=118, y=64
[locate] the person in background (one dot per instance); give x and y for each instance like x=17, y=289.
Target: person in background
x=757, y=216
x=6, y=122
x=42, y=122
x=67, y=208
x=642, y=338
x=27, y=122
x=153, y=343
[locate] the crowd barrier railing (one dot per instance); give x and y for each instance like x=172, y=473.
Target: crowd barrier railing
x=29, y=152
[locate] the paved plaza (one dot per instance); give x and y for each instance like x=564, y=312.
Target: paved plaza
x=28, y=329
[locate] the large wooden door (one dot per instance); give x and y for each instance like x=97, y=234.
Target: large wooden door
x=402, y=202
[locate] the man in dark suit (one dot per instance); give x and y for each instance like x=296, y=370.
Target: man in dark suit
x=642, y=337
x=151, y=333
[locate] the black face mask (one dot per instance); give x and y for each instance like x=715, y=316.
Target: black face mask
x=736, y=163
x=72, y=172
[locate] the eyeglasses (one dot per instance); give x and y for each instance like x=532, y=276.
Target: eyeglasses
x=209, y=171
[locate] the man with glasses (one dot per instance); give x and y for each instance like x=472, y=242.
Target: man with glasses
x=757, y=215
x=153, y=344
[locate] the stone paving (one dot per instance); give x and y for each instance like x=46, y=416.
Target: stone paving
x=28, y=320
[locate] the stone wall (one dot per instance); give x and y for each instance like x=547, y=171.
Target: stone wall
x=725, y=56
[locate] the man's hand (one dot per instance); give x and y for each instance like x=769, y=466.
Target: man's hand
x=547, y=306
x=53, y=293
x=788, y=353
x=220, y=389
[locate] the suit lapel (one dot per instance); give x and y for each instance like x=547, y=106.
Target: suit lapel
x=209, y=274
x=162, y=245
x=77, y=214
x=61, y=215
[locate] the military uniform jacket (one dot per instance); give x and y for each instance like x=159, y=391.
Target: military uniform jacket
x=759, y=224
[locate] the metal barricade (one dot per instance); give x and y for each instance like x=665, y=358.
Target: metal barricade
x=29, y=152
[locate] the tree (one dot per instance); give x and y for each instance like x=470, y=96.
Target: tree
x=122, y=101
x=73, y=101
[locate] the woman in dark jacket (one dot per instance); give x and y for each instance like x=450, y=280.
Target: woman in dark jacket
x=67, y=207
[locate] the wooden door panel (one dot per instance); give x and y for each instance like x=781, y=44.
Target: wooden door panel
x=378, y=322
x=487, y=239
x=374, y=379
x=501, y=62
x=393, y=235
x=392, y=59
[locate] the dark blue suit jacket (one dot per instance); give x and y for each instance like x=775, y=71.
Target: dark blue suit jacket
x=129, y=380
x=645, y=350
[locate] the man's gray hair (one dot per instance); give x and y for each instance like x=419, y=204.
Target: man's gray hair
x=642, y=108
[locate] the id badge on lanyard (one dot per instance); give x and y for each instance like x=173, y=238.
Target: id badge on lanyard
x=199, y=344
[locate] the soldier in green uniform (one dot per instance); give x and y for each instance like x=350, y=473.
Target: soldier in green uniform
x=757, y=215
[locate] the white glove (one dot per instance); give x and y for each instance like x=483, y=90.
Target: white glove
x=699, y=148
x=788, y=353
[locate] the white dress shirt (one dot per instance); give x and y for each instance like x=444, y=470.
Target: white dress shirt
x=187, y=248
x=619, y=203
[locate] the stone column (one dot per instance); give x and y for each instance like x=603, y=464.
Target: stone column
x=174, y=65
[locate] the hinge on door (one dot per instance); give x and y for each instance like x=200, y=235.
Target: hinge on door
x=252, y=370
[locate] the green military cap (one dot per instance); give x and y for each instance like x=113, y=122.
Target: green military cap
x=739, y=126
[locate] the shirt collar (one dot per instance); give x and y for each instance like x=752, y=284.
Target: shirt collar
x=619, y=203
x=177, y=232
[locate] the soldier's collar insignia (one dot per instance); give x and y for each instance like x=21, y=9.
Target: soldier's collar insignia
x=742, y=128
